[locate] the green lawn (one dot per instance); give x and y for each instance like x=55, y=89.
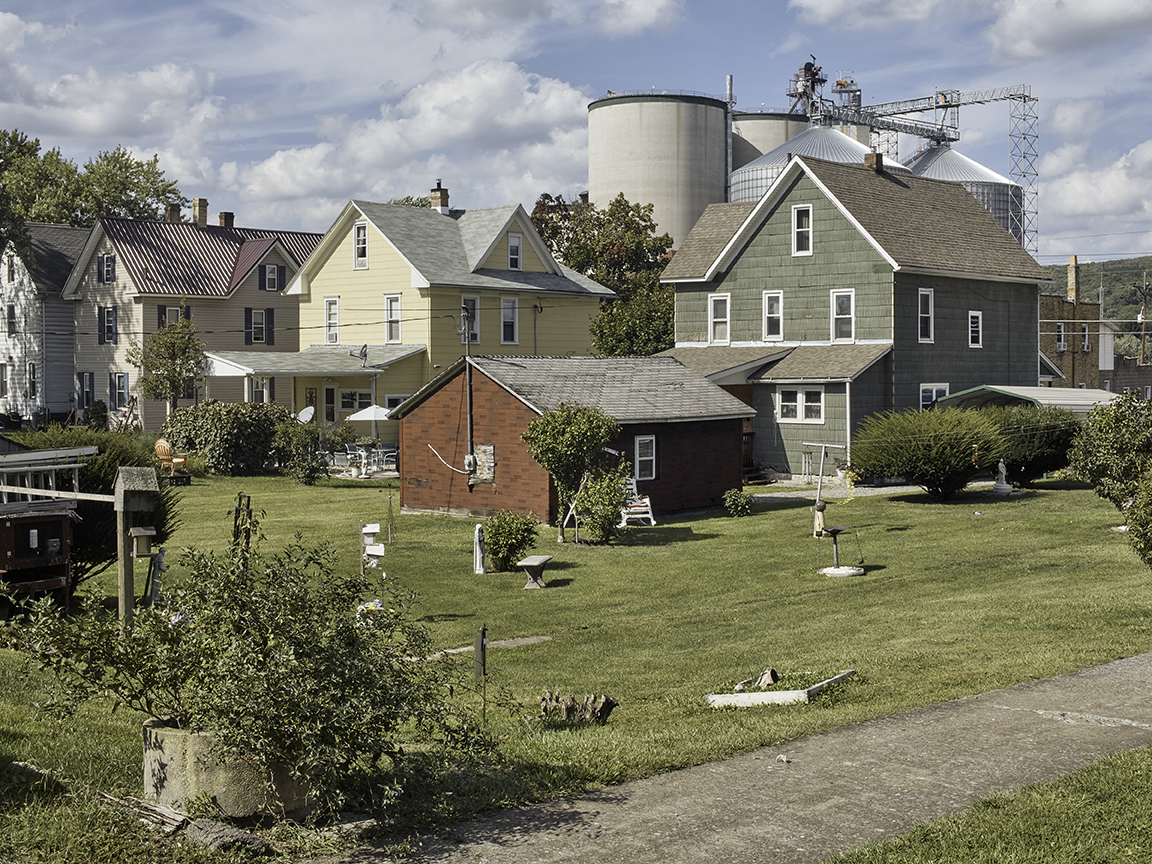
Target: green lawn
x=958, y=598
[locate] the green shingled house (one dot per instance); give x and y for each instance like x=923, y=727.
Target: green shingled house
x=845, y=291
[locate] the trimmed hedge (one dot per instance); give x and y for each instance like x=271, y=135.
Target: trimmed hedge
x=1036, y=440
x=232, y=437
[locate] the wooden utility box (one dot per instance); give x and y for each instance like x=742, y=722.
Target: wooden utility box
x=35, y=548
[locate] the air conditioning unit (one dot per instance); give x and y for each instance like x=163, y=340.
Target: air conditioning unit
x=1061, y=346
x=1087, y=349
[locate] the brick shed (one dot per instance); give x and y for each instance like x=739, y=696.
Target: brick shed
x=681, y=432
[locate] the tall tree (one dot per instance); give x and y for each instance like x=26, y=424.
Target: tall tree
x=172, y=359
x=619, y=248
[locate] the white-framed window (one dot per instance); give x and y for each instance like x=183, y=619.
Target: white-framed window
x=509, y=321
x=843, y=315
x=360, y=246
x=514, y=260
x=106, y=268
x=85, y=390
x=975, y=329
x=470, y=308
x=271, y=281
x=773, y=316
x=718, y=319
x=331, y=321
x=802, y=229
x=31, y=380
x=644, y=465
x=799, y=404
x=107, y=315
x=1085, y=342
x=4, y=380
x=927, y=315
x=259, y=331
x=1061, y=342
x=393, y=399
x=355, y=400
x=392, y=318
x=119, y=394
x=1147, y=390
x=929, y=393
x=171, y=314
x=259, y=389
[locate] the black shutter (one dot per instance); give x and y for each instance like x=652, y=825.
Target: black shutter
x=111, y=390
x=263, y=274
x=163, y=316
x=269, y=323
x=247, y=325
x=187, y=313
x=110, y=314
x=271, y=389
x=280, y=272
x=99, y=325
x=99, y=268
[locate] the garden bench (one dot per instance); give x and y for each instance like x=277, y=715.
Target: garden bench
x=534, y=567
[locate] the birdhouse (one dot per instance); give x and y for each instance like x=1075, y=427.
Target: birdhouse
x=136, y=490
x=142, y=541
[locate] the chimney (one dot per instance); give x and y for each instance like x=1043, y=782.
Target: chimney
x=439, y=198
x=200, y=211
x=173, y=214
x=1073, y=280
x=875, y=161
x=226, y=219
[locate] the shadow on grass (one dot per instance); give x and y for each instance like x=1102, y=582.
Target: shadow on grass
x=661, y=535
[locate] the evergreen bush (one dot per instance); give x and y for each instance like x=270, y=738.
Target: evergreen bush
x=940, y=451
x=96, y=415
x=507, y=536
x=232, y=437
x=1036, y=440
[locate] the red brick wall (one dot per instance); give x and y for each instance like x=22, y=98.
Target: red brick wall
x=696, y=463
x=498, y=420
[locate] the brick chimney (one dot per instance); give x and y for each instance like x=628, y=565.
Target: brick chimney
x=200, y=211
x=173, y=214
x=226, y=219
x=875, y=161
x=1073, y=280
x=439, y=197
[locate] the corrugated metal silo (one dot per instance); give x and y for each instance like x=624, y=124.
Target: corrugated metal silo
x=665, y=148
x=752, y=180
x=1000, y=196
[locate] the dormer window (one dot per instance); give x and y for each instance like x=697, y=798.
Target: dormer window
x=271, y=277
x=514, y=241
x=360, y=246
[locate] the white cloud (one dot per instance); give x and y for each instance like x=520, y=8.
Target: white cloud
x=1076, y=121
x=1035, y=28
x=880, y=14
x=630, y=17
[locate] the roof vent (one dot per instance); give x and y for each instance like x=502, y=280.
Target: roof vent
x=439, y=198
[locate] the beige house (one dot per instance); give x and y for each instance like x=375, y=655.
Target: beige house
x=392, y=294
x=134, y=276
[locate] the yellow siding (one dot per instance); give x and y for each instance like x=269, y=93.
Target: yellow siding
x=498, y=258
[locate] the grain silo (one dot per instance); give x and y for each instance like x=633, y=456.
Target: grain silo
x=757, y=133
x=665, y=148
x=999, y=195
x=752, y=180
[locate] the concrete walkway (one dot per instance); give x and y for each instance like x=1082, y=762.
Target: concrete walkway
x=836, y=791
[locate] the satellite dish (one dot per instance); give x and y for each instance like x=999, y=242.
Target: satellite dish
x=362, y=354
x=307, y=414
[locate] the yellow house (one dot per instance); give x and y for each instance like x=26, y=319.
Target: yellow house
x=393, y=293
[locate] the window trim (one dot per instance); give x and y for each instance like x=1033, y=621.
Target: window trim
x=360, y=245
x=975, y=316
x=1085, y=338
x=111, y=334
x=515, y=241
x=727, y=319
x=930, y=293
x=934, y=387
x=87, y=389
x=395, y=398
x=392, y=319
x=637, y=472
x=779, y=297
x=798, y=232
x=799, y=389
x=833, y=294
x=331, y=320
x=1061, y=342
x=473, y=334
x=262, y=327
x=513, y=304
x=120, y=380
x=13, y=329
x=3, y=380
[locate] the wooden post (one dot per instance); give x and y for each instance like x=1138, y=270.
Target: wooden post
x=125, y=567
x=135, y=492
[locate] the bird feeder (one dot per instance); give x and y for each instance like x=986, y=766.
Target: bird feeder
x=142, y=541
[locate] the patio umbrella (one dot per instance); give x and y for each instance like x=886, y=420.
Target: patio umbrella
x=372, y=412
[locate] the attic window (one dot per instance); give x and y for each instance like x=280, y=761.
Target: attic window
x=802, y=229
x=514, y=241
x=360, y=246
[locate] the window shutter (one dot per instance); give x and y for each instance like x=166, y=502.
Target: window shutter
x=127, y=388
x=99, y=268
x=162, y=317
x=80, y=389
x=262, y=276
x=99, y=325
x=111, y=390
x=280, y=273
x=247, y=325
x=110, y=313
x=269, y=323
x=271, y=389
x=111, y=259
x=187, y=313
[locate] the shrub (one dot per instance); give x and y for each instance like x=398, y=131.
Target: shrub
x=96, y=415
x=337, y=436
x=600, y=501
x=507, y=536
x=94, y=536
x=1140, y=520
x=940, y=451
x=738, y=503
x=232, y=437
x=1113, y=449
x=280, y=660
x=297, y=449
x=1036, y=440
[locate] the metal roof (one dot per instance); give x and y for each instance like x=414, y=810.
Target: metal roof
x=1081, y=401
x=944, y=163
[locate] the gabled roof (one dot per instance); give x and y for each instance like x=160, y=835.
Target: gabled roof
x=315, y=360
x=187, y=260
x=822, y=363
x=55, y=250
x=718, y=360
x=630, y=389
x=916, y=224
x=448, y=250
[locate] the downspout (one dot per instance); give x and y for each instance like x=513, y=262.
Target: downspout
x=848, y=425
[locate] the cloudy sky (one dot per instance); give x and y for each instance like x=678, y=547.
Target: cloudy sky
x=282, y=111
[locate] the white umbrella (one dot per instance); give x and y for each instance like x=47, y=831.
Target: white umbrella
x=372, y=412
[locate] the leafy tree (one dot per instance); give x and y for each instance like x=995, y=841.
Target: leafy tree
x=619, y=248
x=47, y=187
x=1140, y=519
x=1036, y=440
x=422, y=201
x=1114, y=448
x=565, y=443
x=940, y=451
x=173, y=360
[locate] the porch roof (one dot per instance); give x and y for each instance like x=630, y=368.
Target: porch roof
x=314, y=360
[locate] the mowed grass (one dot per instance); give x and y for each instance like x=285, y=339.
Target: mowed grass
x=957, y=598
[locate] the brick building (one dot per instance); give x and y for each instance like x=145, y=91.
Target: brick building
x=1073, y=339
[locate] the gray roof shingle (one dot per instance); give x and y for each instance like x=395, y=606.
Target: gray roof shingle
x=719, y=358
x=822, y=363
x=55, y=250
x=707, y=239
x=317, y=359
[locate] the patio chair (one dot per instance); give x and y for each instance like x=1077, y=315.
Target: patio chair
x=173, y=464
x=637, y=507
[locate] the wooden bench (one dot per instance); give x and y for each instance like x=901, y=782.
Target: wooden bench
x=534, y=567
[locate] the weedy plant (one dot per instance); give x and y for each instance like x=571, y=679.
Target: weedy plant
x=738, y=503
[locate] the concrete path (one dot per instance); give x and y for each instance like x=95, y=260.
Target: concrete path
x=836, y=791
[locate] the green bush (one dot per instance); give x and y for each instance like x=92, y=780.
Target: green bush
x=1140, y=520
x=940, y=451
x=96, y=415
x=738, y=503
x=337, y=436
x=600, y=501
x=233, y=437
x=1036, y=440
x=94, y=535
x=297, y=449
x=507, y=536
x=1114, y=448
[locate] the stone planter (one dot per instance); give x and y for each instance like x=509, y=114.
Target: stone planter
x=180, y=767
